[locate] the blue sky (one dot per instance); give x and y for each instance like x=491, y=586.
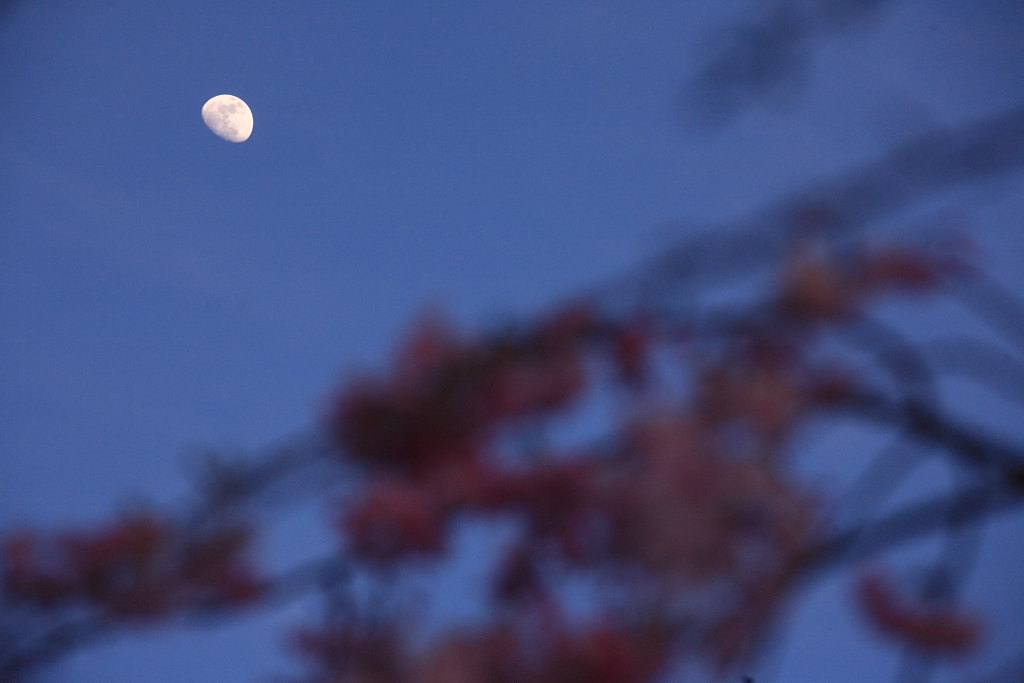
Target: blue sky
x=161, y=288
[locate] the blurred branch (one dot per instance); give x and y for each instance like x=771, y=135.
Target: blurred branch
x=763, y=56
x=901, y=359
x=1008, y=671
x=54, y=642
x=937, y=161
x=985, y=363
x=63, y=638
x=914, y=521
x=967, y=445
x=947, y=576
x=228, y=486
x=1002, y=310
x=880, y=477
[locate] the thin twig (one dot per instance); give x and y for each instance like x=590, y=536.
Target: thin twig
x=908, y=523
x=967, y=445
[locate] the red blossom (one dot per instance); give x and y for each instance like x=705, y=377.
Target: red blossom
x=818, y=284
x=693, y=519
x=431, y=346
x=935, y=628
x=505, y=653
x=568, y=325
x=445, y=400
x=494, y=655
x=124, y=567
x=394, y=520
x=427, y=412
x=415, y=433
x=629, y=353
x=352, y=653
x=761, y=387
x=477, y=485
x=898, y=267
x=559, y=500
x=607, y=653
x=815, y=286
x=215, y=566
x=536, y=383
x=137, y=566
x=34, y=571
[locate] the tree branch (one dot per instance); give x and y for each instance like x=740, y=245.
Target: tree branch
x=969, y=446
x=913, y=521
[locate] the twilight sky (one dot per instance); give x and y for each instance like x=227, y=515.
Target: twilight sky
x=163, y=289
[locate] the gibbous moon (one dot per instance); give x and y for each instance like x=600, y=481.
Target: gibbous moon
x=228, y=117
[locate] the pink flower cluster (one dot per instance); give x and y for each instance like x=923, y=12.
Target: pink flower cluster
x=446, y=397
x=693, y=499
x=138, y=566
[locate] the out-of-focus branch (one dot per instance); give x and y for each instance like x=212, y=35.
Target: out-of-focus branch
x=44, y=648
x=1002, y=310
x=844, y=204
x=226, y=490
x=63, y=638
x=985, y=363
x=1009, y=670
x=914, y=521
x=768, y=54
x=230, y=486
x=879, y=478
x=965, y=444
x=901, y=359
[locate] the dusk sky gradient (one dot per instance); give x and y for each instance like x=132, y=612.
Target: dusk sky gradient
x=162, y=289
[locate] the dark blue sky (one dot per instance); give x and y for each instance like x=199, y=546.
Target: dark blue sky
x=162, y=288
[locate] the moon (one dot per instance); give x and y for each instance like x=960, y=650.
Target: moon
x=228, y=117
